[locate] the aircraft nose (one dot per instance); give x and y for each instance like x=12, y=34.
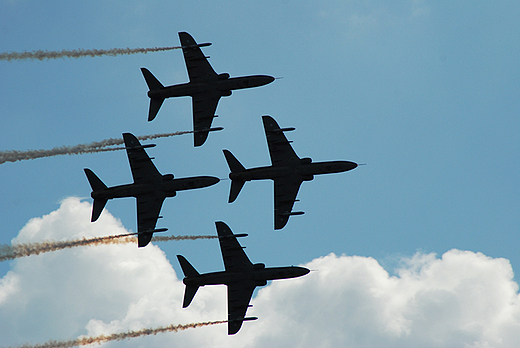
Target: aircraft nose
x=302, y=271
x=351, y=165
x=346, y=165
x=265, y=79
x=213, y=180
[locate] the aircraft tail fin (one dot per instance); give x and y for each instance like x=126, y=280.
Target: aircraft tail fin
x=95, y=182
x=189, y=271
x=234, y=165
x=151, y=80
x=187, y=268
x=153, y=85
x=97, y=208
x=155, y=105
x=189, y=294
x=236, y=186
x=97, y=185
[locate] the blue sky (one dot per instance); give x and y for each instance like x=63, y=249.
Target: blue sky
x=425, y=93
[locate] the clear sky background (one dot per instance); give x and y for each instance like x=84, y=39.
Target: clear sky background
x=424, y=237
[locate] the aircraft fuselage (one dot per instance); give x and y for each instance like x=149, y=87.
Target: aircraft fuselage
x=259, y=276
x=306, y=170
x=168, y=187
x=221, y=84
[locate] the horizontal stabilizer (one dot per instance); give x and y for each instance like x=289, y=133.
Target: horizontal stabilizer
x=151, y=81
x=97, y=185
x=236, y=186
x=95, y=182
x=97, y=208
x=234, y=165
x=189, y=294
x=155, y=105
x=187, y=268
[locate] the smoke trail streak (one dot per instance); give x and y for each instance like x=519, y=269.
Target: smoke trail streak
x=79, y=53
x=119, y=336
x=11, y=252
x=99, y=146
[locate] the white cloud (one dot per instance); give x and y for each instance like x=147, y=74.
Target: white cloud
x=463, y=299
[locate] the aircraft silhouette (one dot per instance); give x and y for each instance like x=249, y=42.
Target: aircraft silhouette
x=241, y=277
x=287, y=170
x=150, y=188
x=205, y=87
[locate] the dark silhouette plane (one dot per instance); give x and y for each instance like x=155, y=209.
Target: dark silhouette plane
x=240, y=276
x=205, y=87
x=287, y=170
x=150, y=188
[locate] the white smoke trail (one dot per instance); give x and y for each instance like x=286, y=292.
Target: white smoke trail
x=11, y=252
x=99, y=146
x=41, y=55
x=119, y=336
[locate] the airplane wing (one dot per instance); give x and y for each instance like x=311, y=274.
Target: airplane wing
x=285, y=192
x=143, y=170
x=148, y=209
x=280, y=149
x=198, y=66
x=235, y=259
x=200, y=71
x=204, y=106
x=239, y=295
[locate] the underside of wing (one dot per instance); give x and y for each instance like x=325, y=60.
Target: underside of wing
x=239, y=296
x=199, y=69
x=235, y=259
x=280, y=149
x=143, y=169
x=285, y=192
x=148, y=209
x=204, y=107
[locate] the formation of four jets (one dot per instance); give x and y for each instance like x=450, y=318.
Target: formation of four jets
x=150, y=187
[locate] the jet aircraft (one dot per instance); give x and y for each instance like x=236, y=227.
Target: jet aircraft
x=287, y=170
x=150, y=188
x=241, y=277
x=205, y=88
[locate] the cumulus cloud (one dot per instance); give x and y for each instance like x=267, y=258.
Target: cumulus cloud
x=462, y=299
